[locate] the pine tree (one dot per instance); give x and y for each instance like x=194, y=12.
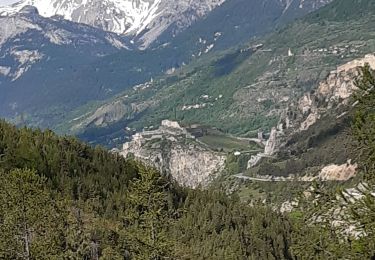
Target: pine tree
x=320, y=238
x=363, y=212
x=147, y=217
x=364, y=123
x=30, y=220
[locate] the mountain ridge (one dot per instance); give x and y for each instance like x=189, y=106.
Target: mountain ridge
x=145, y=19
x=58, y=48
x=108, y=73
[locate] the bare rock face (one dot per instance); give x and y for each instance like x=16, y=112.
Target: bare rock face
x=271, y=147
x=172, y=150
x=338, y=172
x=272, y=143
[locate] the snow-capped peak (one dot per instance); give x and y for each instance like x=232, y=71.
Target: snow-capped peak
x=120, y=16
x=130, y=17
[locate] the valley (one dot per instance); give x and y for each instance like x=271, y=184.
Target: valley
x=246, y=109
x=270, y=85
x=191, y=129
x=99, y=76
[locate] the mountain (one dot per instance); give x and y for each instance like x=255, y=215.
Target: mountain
x=147, y=21
x=289, y=92
x=39, y=55
x=277, y=135
x=237, y=21
x=241, y=89
x=144, y=19
x=55, y=85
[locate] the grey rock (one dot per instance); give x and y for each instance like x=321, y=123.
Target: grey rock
x=173, y=151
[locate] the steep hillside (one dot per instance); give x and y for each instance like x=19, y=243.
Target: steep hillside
x=84, y=203
x=39, y=58
x=236, y=22
x=49, y=66
x=240, y=90
x=63, y=67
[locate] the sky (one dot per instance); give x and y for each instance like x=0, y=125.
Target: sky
x=7, y=2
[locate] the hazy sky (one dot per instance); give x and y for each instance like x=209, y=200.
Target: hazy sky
x=7, y=2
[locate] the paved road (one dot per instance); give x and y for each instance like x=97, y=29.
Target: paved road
x=253, y=179
x=241, y=176
x=275, y=179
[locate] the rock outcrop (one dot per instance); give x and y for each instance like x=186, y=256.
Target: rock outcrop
x=330, y=96
x=338, y=172
x=270, y=149
x=334, y=92
x=172, y=150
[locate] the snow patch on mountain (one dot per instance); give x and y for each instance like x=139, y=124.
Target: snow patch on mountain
x=120, y=16
x=26, y=59
x=148, y=18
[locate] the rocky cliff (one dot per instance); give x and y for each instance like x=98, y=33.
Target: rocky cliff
x=334, y=92
x=172, y=150
x=319, y=115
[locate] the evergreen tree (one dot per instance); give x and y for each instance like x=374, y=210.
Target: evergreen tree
x=30, y=222
x=363, y=212
x=316, y=236
x=364, y=122
x=147, y=216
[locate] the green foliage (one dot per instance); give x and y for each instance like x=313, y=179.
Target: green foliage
x=147, y=217
x=31, y=224
x=214, y=226
x=364, y=130
x=341, y=225
x=91, y=204
x=364, y=124
x=73, y=168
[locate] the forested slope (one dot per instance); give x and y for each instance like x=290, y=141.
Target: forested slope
x=62, y=199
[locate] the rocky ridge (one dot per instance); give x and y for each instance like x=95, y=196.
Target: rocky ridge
x=38, y=55
x=28, y=21
x=331, y=93
x=172, y=150
x=146, y=20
